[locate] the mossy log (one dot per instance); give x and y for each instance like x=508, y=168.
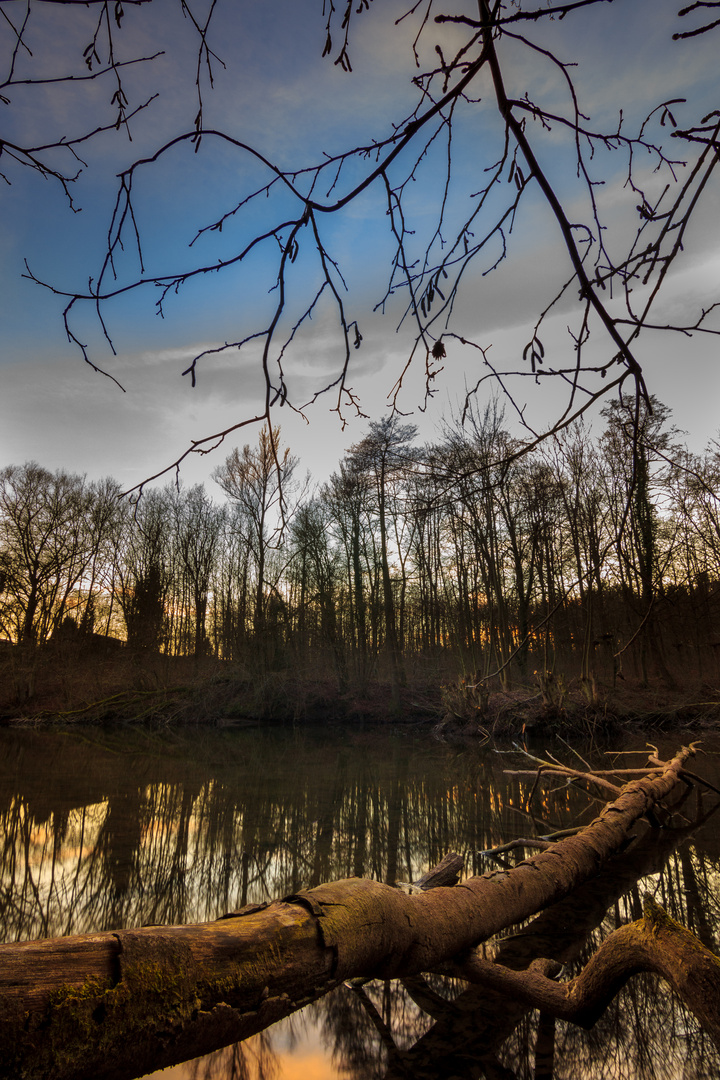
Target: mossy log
x=111, y=1006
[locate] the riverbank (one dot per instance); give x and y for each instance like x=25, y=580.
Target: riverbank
x=51, y=684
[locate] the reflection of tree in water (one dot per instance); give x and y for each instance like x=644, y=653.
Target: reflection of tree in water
x=644, y=1035
x=371, y=1027
x=93, y=837
x=252, y=1060
x=94, y=840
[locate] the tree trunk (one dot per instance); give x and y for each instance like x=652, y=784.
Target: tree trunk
x=116, y=1005
x=475, y=1025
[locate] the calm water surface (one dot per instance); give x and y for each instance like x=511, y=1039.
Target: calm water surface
x=108, y=829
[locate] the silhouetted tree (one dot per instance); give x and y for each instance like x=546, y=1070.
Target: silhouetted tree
x=144, y=570
x=384, y=457
x=638, y=442
x=198, y=525
x=260, y=481
x=54, y=528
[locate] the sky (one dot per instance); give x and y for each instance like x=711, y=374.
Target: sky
x=277, y=94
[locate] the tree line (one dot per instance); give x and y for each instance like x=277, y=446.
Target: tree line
x=593, y=557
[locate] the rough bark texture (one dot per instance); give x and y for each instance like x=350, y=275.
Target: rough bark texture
x=116, y=1005
x=472, y=1028
x=654, y=943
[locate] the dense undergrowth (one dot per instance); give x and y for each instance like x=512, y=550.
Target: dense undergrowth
x=63, y=683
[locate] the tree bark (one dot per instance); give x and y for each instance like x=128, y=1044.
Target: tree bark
x=473, y=1027
x=116, y=1005
x=655, y=943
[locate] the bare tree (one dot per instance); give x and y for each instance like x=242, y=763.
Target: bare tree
x=54, y=529
x=385, y=457
x=639, y=442
x=260, y=482
x=497, y=63
x=198, y=526
x=144, y=571
x=317, y=572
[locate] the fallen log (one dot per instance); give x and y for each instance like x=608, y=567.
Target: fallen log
x=473, y=1028
x=112, y=1006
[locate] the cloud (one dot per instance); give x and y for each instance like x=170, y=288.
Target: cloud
x=278, y=92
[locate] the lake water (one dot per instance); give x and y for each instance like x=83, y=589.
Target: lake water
x=101, y=829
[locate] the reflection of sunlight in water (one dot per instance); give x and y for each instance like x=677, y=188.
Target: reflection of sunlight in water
x=80, y=837
x=295, y=1055
x=45, y=875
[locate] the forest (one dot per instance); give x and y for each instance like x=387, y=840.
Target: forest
x=434, y=576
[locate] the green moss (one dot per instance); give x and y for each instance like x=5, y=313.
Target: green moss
x=161, y=990
x=655, y=916
x=659, y=922
x=84, y=1024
